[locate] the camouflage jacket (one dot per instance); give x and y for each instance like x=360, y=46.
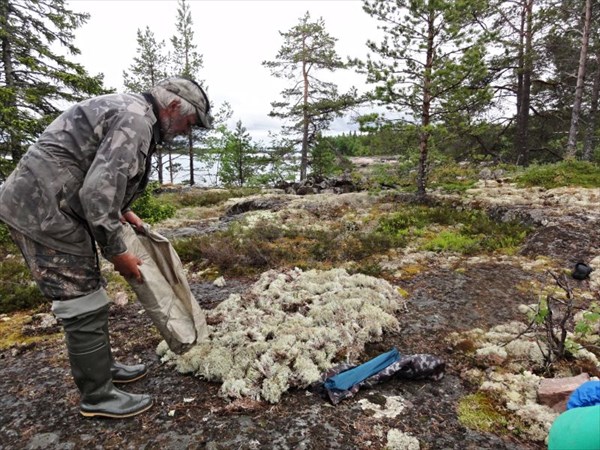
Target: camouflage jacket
x=73, y=184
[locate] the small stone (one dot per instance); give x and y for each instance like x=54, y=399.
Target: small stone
x=43, y=440
x=554, y=392
x=220, y=282
x=121, y=299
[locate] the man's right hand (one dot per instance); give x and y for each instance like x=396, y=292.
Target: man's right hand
x=127, y=265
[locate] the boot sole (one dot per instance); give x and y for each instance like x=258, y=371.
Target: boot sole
x=116, y=416
x=139, y=377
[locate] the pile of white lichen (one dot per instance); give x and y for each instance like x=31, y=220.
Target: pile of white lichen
x=288, y=329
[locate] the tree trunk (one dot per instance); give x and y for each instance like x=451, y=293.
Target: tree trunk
x=588, y=145
x=191, y=153
x=585, y=38
x=522, y=135
x=13, y=144
x=304, y=155
x=170, y=164
x=159, y=163
x=425, y=113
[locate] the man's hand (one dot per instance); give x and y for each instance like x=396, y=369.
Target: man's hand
x=127, y=265
x=133, y=219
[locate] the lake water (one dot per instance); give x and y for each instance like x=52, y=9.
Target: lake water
x=205, y=174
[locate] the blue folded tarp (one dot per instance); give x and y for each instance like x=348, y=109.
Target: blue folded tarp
x=345, y=380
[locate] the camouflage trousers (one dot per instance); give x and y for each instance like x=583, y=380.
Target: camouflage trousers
x=60, y=276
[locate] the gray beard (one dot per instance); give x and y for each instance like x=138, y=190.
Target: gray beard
x=167, y=135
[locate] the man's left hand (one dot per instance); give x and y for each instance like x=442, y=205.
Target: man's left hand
x=133, y=219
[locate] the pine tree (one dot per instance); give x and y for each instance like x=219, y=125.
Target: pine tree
x=238, y=159
x=431, y=64
x=150, y=64
x=187, y=61
x=35, y=79
x=309, y=104
x=148, y=68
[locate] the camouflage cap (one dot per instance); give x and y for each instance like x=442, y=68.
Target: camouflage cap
x=191, y=92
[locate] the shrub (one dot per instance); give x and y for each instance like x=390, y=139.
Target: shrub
x=565, y=173
x=17, y=290
x=149, y=207
x=4, y=235
x=453, y=242
x=475, y=229
x=452, y=177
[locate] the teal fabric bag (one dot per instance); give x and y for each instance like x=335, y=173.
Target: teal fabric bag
x=576, y=429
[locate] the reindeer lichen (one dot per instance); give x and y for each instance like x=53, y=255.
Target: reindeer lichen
x=289, y=328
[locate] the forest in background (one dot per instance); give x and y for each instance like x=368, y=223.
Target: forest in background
x=478, y=80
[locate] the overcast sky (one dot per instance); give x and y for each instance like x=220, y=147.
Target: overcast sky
x=234, y=37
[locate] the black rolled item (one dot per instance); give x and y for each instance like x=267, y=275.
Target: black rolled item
x=581, y=271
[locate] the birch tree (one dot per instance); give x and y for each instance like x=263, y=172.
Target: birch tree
x=585, y=38
x=593, y=127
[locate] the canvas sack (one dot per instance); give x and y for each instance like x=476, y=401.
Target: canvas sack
x=165, y=293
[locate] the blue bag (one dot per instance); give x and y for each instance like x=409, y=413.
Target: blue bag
x=588, y=394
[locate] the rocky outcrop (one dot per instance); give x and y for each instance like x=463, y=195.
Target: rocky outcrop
x=318, y=185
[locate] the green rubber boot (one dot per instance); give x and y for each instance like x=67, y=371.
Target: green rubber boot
x=91, y=367
x=123, y=373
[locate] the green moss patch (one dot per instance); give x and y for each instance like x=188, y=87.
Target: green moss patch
x=479, y=412
x=11, y=332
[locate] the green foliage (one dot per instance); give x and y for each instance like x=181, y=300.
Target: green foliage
x=428, y=76
x=4, y=235
x=326, y=160
x=452, y=177
x=17, y=290
x=199, y=198
x=388, y=175
x=242, y=251
x=565, y=173
x=311, y=104
x=149, y=67
x=561, y=321
x=450, y=241
x=186, y=59
x=34, y=35
x=419, y=216
x=239, y=160
x=150, y=208
x=473, y=230
x=588, y=321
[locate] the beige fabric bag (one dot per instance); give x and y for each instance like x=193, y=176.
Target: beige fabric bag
x=165, y=293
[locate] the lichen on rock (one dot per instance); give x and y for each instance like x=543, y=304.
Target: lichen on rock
x=289, y=328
